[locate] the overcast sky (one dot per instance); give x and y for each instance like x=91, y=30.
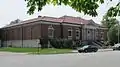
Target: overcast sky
x=16, y=9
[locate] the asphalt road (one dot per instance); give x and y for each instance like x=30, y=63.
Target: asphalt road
x=99, y=59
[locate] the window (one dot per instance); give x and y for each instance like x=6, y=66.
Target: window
x=77, y=33
x=88, y=32
x=102, y=35
x=97, y=34
x=50, y=31
x=70, y=32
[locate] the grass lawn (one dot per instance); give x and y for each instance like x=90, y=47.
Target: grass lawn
x=35, y=50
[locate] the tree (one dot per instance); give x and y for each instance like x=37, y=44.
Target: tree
x=113, y=34
x=109, y=21
x=86, y=6
x=114, y=11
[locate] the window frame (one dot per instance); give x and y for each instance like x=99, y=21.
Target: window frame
x=70, y=29
x=77, y=30
x=51, y=28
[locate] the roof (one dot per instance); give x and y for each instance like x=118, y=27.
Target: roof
x=74, y=20
x=93, y=23
x=51, y=19
x=24, y=22
x=63, y=19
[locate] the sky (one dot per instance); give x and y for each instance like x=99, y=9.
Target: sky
x=16, y=9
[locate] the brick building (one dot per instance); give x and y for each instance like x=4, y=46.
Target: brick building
x=26, y=33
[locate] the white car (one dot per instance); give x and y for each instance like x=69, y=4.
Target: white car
x=116, y=46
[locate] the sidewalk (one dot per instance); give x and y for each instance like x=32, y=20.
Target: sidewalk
x=11, y=53
x=104, y=50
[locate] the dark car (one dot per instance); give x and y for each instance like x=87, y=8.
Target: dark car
x=88, y=48
x=116, y=46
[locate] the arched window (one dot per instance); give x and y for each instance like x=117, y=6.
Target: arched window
x=69, y=32
x=89, y=34
x=77, y=33
x=102, y=35
x=50, y=31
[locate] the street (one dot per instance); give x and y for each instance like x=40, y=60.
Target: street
x=99, y=59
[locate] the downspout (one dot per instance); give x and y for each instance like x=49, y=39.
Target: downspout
x=31, y=33
x=40, y=38
x=81, y=30
x=22, y=36
x=6, y=36
x=61, y=27
x=41, y=27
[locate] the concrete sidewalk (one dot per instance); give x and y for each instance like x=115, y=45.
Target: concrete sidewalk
x=11, y=53
x=104, y=50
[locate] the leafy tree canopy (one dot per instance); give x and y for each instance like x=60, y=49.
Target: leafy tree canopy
x=114, y=11
x=109, y=21
x=113, y=34
x=86, y=6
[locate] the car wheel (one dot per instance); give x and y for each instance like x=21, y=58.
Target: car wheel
x=86, y=51
x=113, y=49
x=95, y=50
x=79, y=51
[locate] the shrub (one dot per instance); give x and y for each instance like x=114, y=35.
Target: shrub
x=67, y=44
x=44, y=43
x=61, y=43
x=9, y=45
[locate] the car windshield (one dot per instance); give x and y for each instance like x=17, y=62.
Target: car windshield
x=85, y=46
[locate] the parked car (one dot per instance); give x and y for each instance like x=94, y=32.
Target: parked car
x=88, y=48
x=116, y=47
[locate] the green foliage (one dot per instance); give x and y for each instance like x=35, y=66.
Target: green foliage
x=114, y=11
x=10, y=46
x=86, y=6
x=61, y=43
x=56, y=43
x=67, y=44
x=113, y=34
x=44, y=43
x=109, y=21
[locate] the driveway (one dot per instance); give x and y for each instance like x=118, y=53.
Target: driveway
x=99, y=59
